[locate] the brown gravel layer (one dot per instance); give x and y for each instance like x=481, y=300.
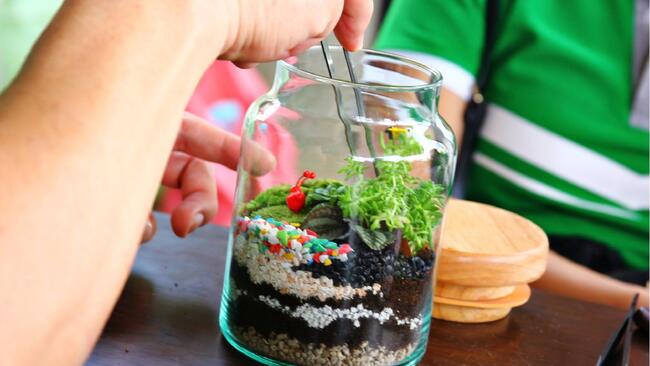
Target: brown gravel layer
x=282, y=347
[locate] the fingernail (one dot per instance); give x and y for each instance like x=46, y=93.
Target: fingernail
x=147, y=232
x=198, y=221
x=360, y=42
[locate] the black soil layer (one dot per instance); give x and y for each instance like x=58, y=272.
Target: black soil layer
x=365, y=266
x=246, y=312
x=405, y=296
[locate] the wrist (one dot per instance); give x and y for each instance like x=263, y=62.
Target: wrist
x=228, y=20
x=193, y=25
x=213, y=23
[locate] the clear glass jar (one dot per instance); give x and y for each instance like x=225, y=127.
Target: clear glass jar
x=333, y=264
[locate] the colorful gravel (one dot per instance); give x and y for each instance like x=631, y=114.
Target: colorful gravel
x=276, y=271
x=291, y=243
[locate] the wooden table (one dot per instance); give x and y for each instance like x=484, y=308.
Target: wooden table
x=168, y=315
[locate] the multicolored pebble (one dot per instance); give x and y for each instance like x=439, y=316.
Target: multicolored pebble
x=282, y=236
x=291, y=243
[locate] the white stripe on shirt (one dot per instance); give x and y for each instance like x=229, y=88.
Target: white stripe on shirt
x=566, y=159
x=454, y=77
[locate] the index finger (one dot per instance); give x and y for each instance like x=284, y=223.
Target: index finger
x=203, y=140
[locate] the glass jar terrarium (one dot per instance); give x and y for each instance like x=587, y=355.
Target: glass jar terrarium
x=333, y=264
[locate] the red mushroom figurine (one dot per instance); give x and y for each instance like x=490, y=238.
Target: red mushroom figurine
x=296, y=197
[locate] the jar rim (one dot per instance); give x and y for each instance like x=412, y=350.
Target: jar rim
x=436, y=76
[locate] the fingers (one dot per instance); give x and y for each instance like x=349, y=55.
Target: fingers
x=272, y=30
x=149, y=228
x=188, y=169
x=353, y=23
x=197, y=184
x=254, y=188
x=203, y=140
x=245, y=65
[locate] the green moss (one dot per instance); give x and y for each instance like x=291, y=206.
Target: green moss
x=277, y=195
x=273, y=196
x=319, y=183
x=281, y=213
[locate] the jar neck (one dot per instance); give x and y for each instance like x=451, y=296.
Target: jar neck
x=373, y=99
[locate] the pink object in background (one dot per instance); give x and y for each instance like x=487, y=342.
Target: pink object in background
x=222, y=97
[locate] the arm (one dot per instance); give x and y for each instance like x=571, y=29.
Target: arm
x=67, y=240
x=567, y=278
x=85, y=132
x=452, y=109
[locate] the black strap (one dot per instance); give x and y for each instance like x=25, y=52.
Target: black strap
x=475, y=112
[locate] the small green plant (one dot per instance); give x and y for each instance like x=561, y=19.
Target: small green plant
x=394, y=200
x=378, y=207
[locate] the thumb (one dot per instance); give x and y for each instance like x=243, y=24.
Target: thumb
x=353, y=23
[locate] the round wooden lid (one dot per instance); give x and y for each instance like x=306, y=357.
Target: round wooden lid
x=462, y=314
x=479, y=311
x=518, y=297
x=485, y=246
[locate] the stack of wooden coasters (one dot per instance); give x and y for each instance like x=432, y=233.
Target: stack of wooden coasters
x=487, y=259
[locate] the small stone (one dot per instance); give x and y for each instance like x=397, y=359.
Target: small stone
x=283, y=237
x=295, y=245
x=322, y=258
x=317, y=248
x=273, y=239
x=344, y=249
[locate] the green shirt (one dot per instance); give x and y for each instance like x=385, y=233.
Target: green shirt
x=557, y=145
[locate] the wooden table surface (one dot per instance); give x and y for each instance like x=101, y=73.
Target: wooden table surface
x=168, y=315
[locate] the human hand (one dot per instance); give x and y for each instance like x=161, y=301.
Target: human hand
x=198, y=143
x=271, y=30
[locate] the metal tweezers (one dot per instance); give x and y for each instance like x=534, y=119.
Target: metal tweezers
x=329, y=63
x=615, y=353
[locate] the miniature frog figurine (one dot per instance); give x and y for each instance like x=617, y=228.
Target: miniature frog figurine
x=296, y=197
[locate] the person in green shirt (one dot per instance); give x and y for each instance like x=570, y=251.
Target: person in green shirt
x=565, y=138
